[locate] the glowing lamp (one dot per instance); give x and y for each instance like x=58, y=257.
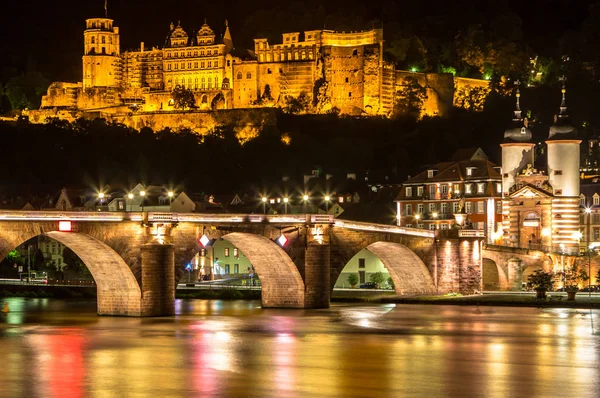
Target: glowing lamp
x=588, y=210
x=434, y=215
x=327, y=198
x=101, y=195
x=130, y=196
x=282, y=240
x=286, y=200
x=417, y=216
x=546, y=232
x=204, y=240
x=305, y=198
x=64, y=226
x=170, y=194
x=264, y=199
x=577, y=235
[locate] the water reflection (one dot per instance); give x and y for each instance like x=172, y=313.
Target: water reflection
x=59, y=348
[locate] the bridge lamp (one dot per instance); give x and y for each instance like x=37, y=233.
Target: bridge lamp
x=286, y=201
x=305, y=201
x=142, y=194
x=327, y=199
x=170, y=195
x=264, y=202
x=434, y=214
x=65, y=226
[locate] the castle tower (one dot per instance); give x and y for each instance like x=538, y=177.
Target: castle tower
x=101, y=57
x=563, y=175
x=517, y=153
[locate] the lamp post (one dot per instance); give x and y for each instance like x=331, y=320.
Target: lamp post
x=304, y=201
x=327, y=199
x=588, y=211
x=417, y=217
x=143, y=195
x=130, y=196
x=264, y=202
x=170, y=195
x=285, y=203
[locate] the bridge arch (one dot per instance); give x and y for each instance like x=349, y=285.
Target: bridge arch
x=408, y=272
x=493, y=275
x=118, y=292
x=282, y=284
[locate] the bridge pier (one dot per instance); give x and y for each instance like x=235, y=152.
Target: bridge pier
x=317, y=275
x=158, y=280
x=459, y=263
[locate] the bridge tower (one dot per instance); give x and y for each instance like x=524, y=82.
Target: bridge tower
x=563, y=175
x=101, y=57
x=517, y=153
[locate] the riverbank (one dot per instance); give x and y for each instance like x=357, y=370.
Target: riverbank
x=554, y=300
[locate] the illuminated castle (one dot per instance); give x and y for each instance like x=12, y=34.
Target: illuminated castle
x=329, y=70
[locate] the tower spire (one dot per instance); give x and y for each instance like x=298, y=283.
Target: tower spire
x=563, y=102
x=517, y=112
x=227, y=40
x=105, y=8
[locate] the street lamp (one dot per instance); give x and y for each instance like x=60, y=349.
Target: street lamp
x=304, y=201
x=285, y=203
x=327, y=199
x=130, y=196
x=264, y=202
x=170, y=195
x=143, y=195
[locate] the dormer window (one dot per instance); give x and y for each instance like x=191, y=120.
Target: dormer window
x=523, y=131
x=481, y=187
x=430, y=173
x=470, y=170
x=596, y=199
x=468, y=189
x=408, y=191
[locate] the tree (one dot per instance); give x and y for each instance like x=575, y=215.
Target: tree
x=410, y=99
x=352, y=279
x=541, y=281
x=377, y=278
x=183, y=98
x=296, y=105
x=574, y=276
x=471, y=98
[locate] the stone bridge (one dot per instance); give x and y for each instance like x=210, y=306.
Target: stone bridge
x=137, y=259
x=507, y=268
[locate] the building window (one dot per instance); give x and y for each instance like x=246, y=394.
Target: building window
x=346, y=80
x=420, y=208
x=239, y=76
x=469, y=207
x=419, y=191
x=455, y=207
x=432, y=227
x=432, y=207
x=596, y=199
x=480, y=209
x=429, y=173
x=408, y=191
x=226, y=252
x=498, y=207
x=444, y=209
x=408, y=225
x=444, y=189
x=456, y=189
x=236, y=268
x=582, y=200
x=236, y=252
x=470, y=171
x=202, y=252
x=468, y=189
x=227, y=268
x=432, y=189
x=93, y=40
x=596, y=234
x=444, y=226
x=361, y=263
x=408, y=210
x=557, y=172
x=349, y=95
x=481, y=187
x=248, y=75
x=498, y=187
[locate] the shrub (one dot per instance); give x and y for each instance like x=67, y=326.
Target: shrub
x=540, y=280
x=352, y=279
x=377, y=278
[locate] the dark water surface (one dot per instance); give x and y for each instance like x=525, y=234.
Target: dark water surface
x=61, y=348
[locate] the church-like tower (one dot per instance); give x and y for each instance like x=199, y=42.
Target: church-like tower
x=517, y=152
x=101, y=57
x=563, y=175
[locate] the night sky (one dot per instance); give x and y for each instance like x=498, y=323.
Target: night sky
x=49, y=35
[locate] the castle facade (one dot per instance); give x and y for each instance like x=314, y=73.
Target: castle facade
x=326, y=69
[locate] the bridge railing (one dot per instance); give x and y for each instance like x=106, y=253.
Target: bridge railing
x=569, y=251
x=363, y=226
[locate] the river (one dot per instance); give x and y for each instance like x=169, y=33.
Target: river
x=212, y=348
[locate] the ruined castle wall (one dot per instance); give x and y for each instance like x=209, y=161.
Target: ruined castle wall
x=344, y=71
x=61, y=94
x=244, y=121
x=245, y=84
x=101, y=71
x=287, y=78
x=465, y=83
x=372, y=80
x=440, y=90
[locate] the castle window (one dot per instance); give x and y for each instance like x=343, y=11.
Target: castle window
x=239, y=76
x=276, y=57
x=176, y=66
x=355, y=53
x=346, y=80
x=189, y=65
x=183, y=65
x=189, y=53
x=209, y=82
x=216, y=64
x=202, y=52
x=310, y=55
x=268, y=57
x=189, y=82
x=103, y=50
x=196, y=83
x=93, y=40
x=303, y=55
x=195, y=53
x=296, y=55
x=228, y=63
x=596, y=199
x=168, y=66
x=557, y=172
x=202, y=65
x=287, y=39
x=349, y=95
x=203, y=85
x=176, y=54
x=204, y=99
x=289, y=56
x=196, y=64
x=248, y=75
x=261, y=58
x=210, y=64
x=269, y=71
x=103, y=40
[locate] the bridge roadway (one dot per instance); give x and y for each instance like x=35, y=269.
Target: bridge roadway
x=138, y=258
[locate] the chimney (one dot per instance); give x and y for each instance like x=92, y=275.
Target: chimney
x=142, y=46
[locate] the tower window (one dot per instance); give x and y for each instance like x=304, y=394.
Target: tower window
x=93, y=40
x=349, y=95
x=346, y=80
x=103, y=40
x=248, y=75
